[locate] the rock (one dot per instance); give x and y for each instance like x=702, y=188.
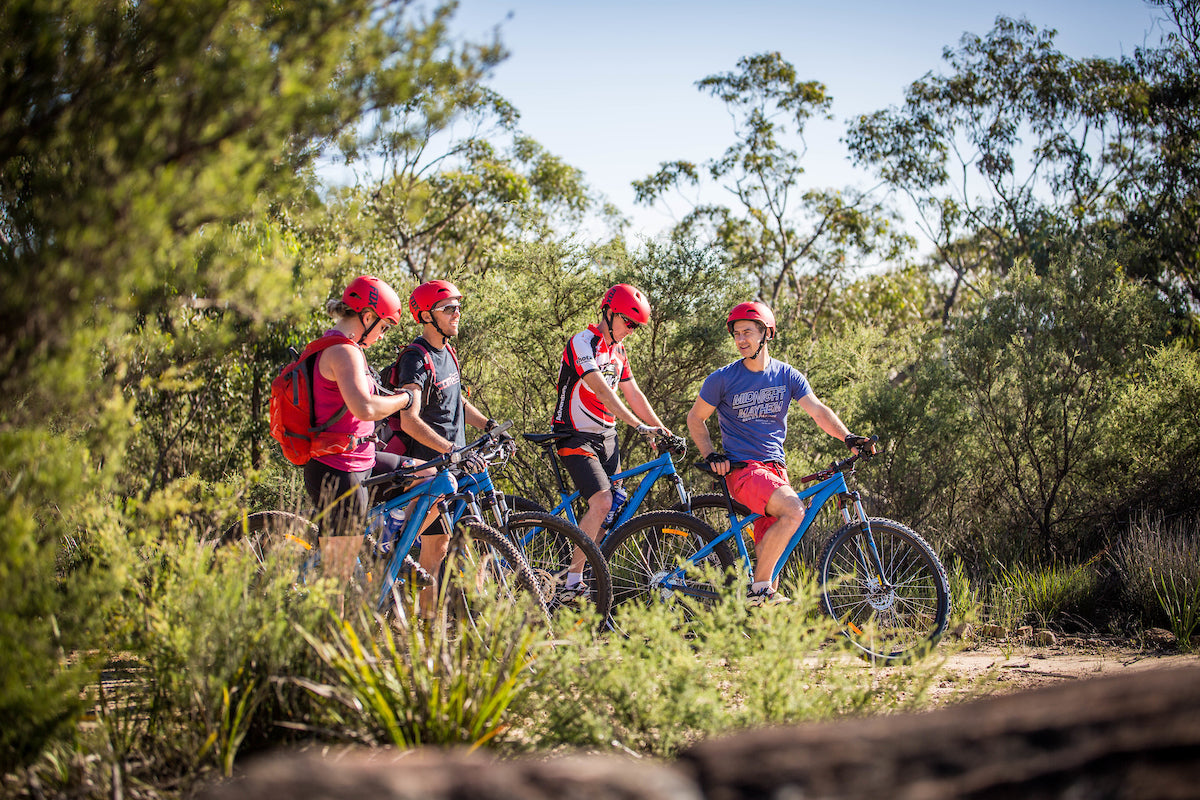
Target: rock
x=1045, y=638
x=431, y=774
x=1024, y=632
x=1160, y=638
x=1136, y=735
x=992, y=631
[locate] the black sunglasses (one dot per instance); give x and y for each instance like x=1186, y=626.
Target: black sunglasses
x=633, y=326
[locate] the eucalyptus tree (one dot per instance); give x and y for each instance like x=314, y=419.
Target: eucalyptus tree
x=797, y=245
x=1015, y=151
x=442, y=183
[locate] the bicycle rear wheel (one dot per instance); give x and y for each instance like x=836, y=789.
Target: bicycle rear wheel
x=643, y=551
x=275, y=537
x=898, y=616
x=483, y=573
x=548, y=544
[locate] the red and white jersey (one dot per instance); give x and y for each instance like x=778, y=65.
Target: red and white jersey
x=577, y=407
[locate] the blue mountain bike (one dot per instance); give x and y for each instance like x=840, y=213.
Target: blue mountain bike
x=878, y=578
x=481, y=565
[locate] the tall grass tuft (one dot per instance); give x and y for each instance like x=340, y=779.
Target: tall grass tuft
x=1159, y=565
x=391, y=682
x=1048, y=592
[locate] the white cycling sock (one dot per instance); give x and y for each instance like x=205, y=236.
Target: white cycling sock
x=760, y=586
x=574, y=579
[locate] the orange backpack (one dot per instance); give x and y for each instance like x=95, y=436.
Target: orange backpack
x=293, y=410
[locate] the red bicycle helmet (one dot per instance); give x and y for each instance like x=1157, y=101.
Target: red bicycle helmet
x=755, y=311
x=624, y=299
x=427, y=295
x=367, y=291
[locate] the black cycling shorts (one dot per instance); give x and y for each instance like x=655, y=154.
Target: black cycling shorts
x=590, y=458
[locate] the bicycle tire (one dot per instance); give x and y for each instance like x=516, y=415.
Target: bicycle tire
x=650, y=545
x=483, y=566
x=271, y=535
x=520, y=505
x=899, y=624
x=548, y=544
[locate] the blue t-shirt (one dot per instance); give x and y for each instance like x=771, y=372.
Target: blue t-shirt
x=752, y=407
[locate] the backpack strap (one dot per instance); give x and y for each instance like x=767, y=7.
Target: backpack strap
x=309, y=357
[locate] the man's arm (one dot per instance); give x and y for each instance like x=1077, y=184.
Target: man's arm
x=610, y=399
x=641, y=406
x=826, y=418
x=697, y=424
x=412, y=424
x=473, y=416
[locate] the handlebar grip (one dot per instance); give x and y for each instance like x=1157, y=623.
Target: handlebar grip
x=705, y=466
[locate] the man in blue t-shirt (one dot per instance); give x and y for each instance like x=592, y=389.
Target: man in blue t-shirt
x=751, y=397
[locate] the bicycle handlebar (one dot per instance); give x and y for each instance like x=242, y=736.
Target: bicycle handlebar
x=836, y=466
x=441, y=462
x=676, y=445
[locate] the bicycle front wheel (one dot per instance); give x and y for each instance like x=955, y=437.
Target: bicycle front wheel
x=549, y=544
x=898, y=615
x=483, y=574
x=646, y=549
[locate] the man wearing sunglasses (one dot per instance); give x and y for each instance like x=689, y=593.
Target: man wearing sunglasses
x=428, y=367
x=594, y=363
x=435, y=421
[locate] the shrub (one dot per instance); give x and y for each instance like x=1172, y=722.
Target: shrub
x=676, y=677
x=1158, y=562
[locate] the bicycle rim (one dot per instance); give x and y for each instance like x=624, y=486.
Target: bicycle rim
x=650, y=546
x=900, y=617
x=548, y=544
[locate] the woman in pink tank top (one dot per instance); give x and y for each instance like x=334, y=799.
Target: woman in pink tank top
x=366, y=310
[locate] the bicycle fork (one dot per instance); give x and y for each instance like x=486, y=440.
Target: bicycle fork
x=869, y=558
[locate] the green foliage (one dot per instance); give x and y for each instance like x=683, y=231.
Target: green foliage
x=419, y=685
x=796, y=246
x=1050, y=592
x=1158, y=563
x=677, y=677
x=58, y=584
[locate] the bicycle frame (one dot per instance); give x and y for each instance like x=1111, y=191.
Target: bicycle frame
x=815, y=497
x=663, y=466
x=433, y=491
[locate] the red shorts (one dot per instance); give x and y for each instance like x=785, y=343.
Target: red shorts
x=752, y=486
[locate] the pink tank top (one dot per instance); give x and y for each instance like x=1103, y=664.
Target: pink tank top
x=328, y=399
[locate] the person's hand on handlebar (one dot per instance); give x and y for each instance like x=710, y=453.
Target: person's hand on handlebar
x=719, y=462
x=652, y=432
x=470, y=463
x=858, y=444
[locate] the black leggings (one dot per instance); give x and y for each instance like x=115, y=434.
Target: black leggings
x=343, y=494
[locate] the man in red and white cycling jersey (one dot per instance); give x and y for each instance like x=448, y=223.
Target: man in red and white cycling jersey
x=751, y=397
x=594, y=364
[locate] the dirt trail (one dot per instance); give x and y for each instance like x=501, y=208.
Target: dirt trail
x=1003, y=668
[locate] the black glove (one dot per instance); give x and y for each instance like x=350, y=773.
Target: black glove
x=853, y=440
x=474, y=463
x=714, y=457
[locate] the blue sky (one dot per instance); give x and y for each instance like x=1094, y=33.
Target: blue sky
x=609, y=87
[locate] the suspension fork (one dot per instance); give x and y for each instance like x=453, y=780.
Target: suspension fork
x=870, y=559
